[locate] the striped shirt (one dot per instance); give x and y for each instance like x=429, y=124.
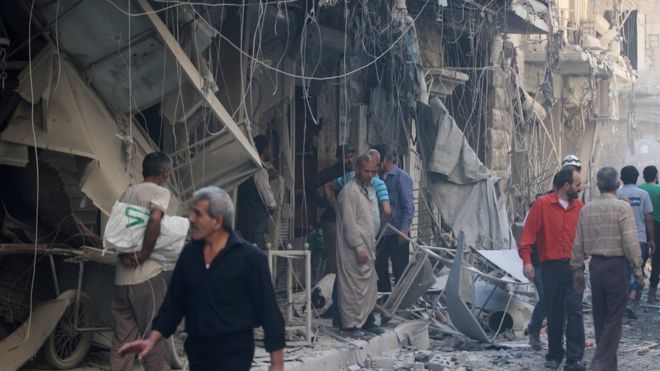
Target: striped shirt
x=379, y=186
x=606, y=228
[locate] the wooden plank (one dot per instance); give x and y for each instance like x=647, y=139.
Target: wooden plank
x=24, y=248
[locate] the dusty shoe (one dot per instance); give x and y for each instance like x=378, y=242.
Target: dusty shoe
x=354, y=333
x=535, y=341
x=552, y=364
x=575, y=366
x=376, y=330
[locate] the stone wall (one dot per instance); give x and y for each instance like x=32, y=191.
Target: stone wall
x=500, y=121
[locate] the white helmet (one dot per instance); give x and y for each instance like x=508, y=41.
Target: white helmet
x=571, y=160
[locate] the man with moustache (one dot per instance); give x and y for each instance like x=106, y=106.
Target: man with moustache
x=222, y=286
x=551, y=226
x=325, y=198
x=380, y=200
x=356, y=251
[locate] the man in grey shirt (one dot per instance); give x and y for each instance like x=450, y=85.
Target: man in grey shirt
x=140, y=282
x=640, y=202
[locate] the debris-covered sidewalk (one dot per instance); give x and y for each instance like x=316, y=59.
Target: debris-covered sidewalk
x=638, y=350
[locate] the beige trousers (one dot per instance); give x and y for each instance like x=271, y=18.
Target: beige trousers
x=133, y=309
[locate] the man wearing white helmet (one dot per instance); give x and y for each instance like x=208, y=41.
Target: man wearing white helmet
x=572, y=160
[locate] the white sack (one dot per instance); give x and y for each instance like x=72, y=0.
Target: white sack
x=125, y=231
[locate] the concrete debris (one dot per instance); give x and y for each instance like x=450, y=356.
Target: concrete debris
x=507, y=260
x=414, y=334
x=479, y=103
x=506, y=311
x=460, y=314
x=417, y=278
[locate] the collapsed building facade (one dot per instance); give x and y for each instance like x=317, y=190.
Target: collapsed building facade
x=480, y=100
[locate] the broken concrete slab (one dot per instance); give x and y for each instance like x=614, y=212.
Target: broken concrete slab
x=414, y=334
x=332, y=355
x=507, y=260
x=459, y=313
x=23, y=344
x=416, y=280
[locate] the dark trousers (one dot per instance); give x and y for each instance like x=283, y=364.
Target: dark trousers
x=609, y=294
x=390, y=248
x=334, y=308
x=330, y=244
x=231, y=352
x=655, y=261
x=563, y=308
x=538, y=315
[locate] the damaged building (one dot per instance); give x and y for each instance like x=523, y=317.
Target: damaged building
x=480, y=101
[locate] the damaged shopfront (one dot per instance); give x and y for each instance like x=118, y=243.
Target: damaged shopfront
x=464, y=92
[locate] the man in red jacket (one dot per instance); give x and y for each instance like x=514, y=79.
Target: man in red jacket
x=551, y=226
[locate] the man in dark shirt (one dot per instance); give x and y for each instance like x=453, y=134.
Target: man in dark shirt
x=326, y=199
x=221, y=285
x=651, y=186
x=255, y=201
x=392, y=246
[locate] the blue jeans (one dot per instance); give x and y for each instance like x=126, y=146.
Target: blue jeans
x=538, y=315
x=632, y=283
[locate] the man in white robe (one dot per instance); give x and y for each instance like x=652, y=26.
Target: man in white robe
x=356, y=250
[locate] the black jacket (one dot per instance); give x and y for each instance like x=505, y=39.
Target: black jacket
x=234, y=295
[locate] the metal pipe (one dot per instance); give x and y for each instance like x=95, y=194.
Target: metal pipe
x=270, y=266
x=308, y=288
x=81, y=271
x=289, y=290
x=404, y=236
x=56, y=284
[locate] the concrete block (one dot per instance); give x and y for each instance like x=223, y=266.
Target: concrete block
x=502, y=97
x=500, y=78
x=499, y=139
x=432, y=366
x=501, y=120
x=500, y=161
x=382, y=362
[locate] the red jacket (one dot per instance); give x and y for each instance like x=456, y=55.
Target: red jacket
x=551, y=228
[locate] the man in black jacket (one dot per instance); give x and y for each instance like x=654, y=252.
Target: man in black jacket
x=221, y=285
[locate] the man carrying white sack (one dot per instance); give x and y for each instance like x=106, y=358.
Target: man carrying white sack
x=140, y=283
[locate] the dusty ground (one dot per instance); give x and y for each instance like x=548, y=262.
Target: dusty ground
x=639, y=350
